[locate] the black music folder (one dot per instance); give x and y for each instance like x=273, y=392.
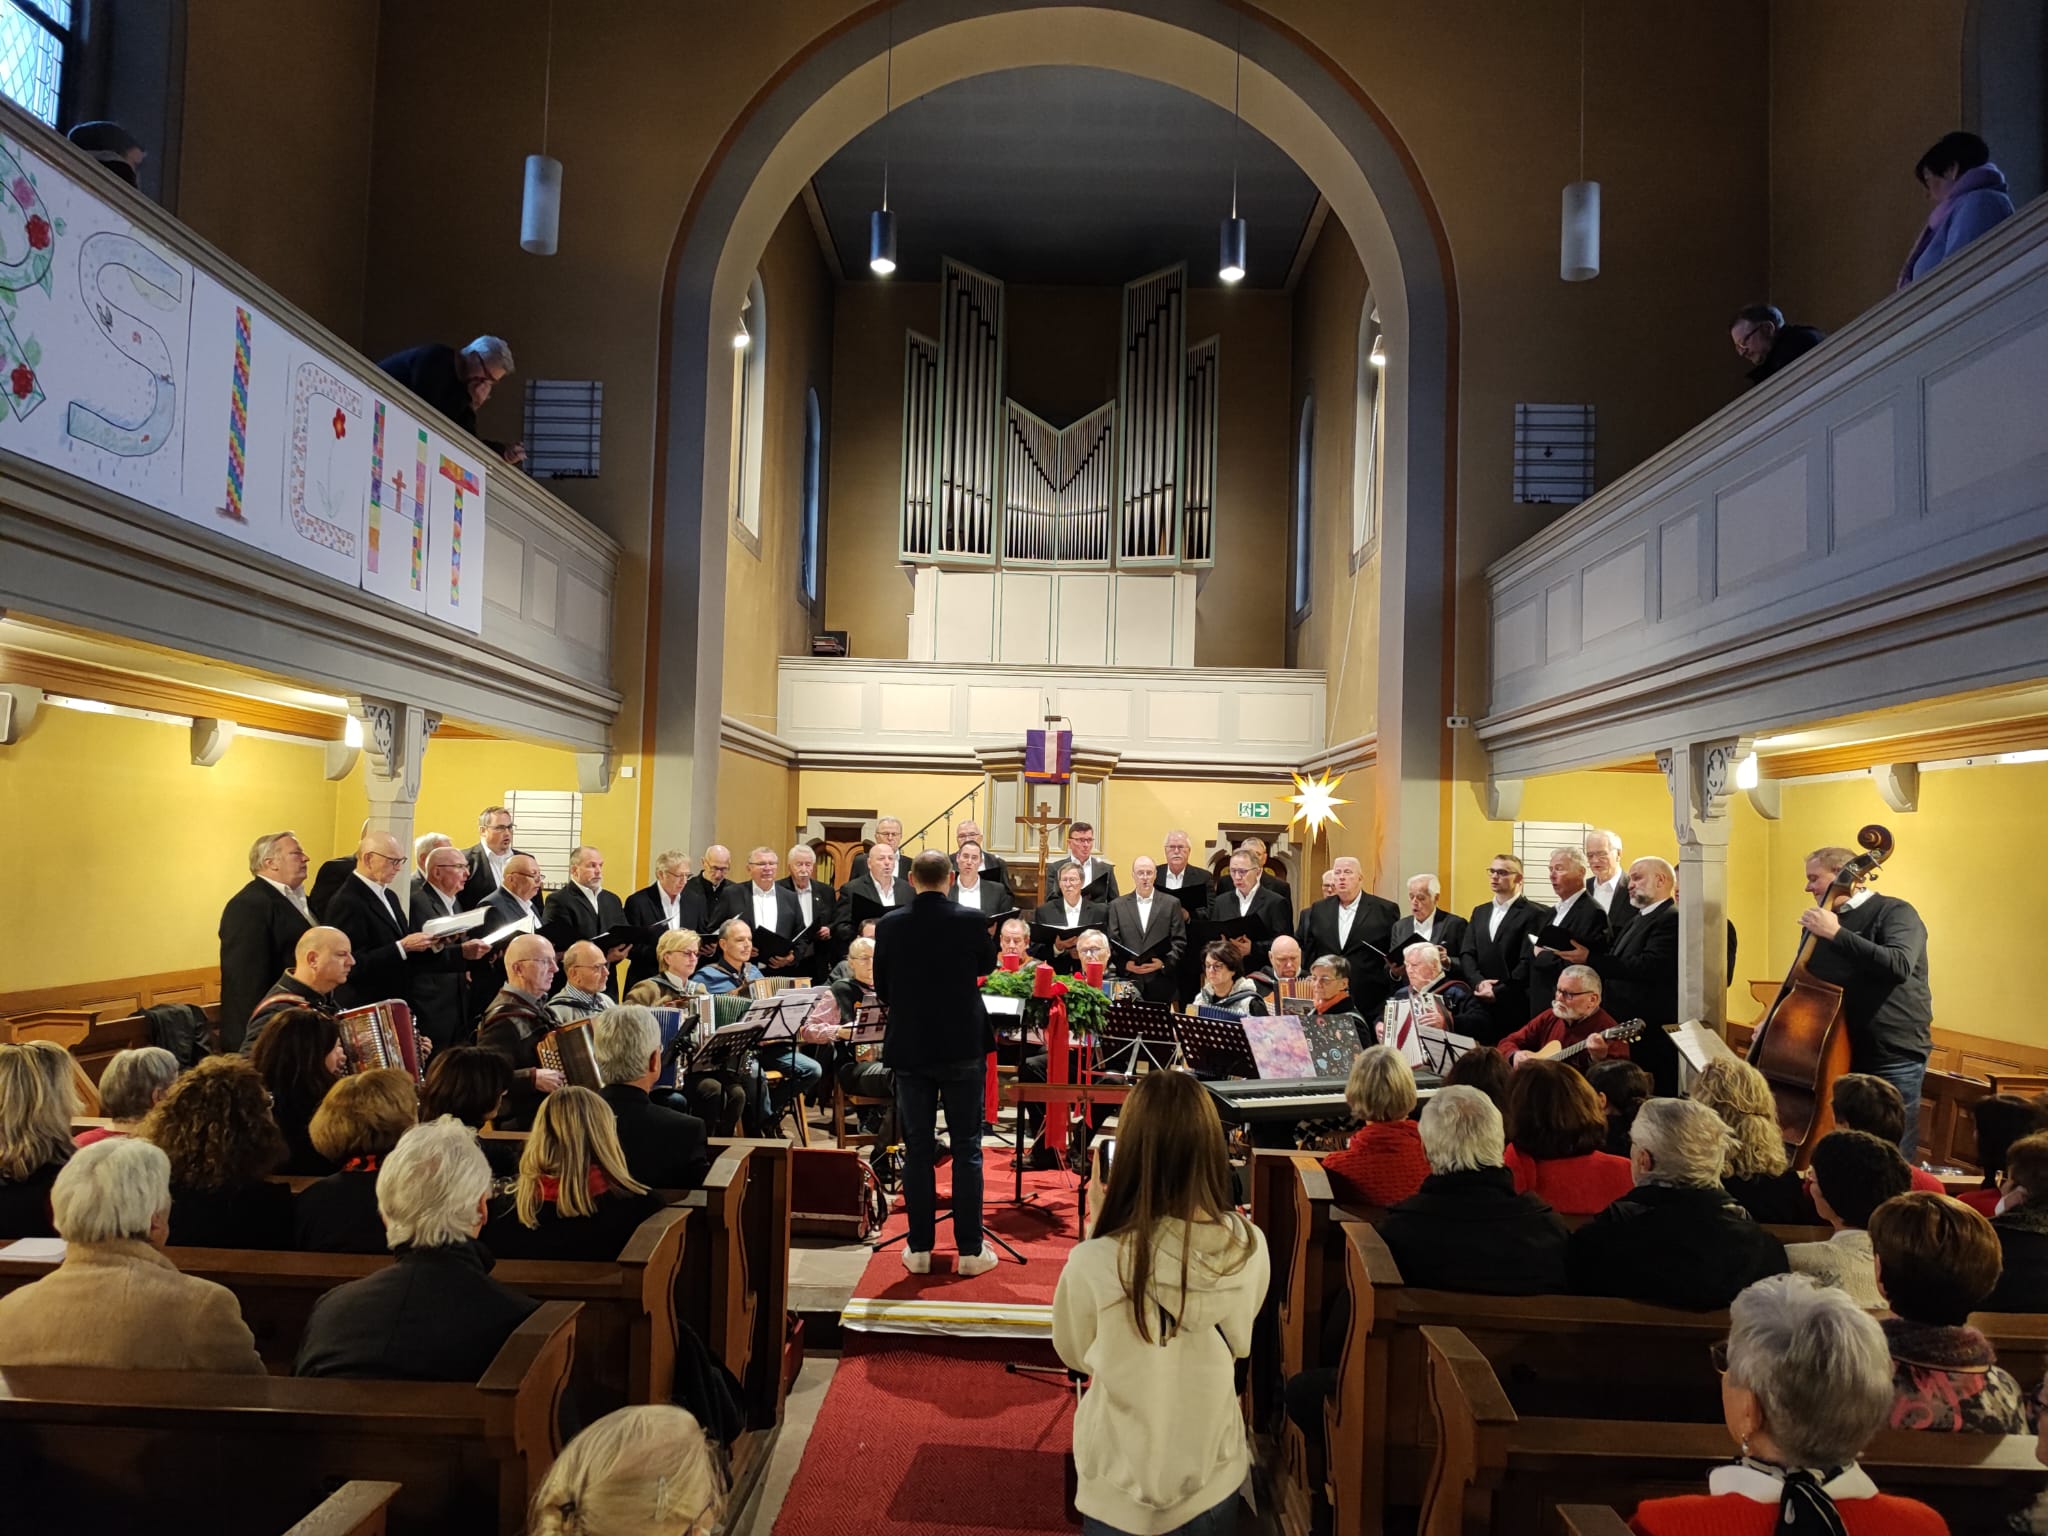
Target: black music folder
x=1206, y=930
x=1194, y=895
x=1047, y=933
x=770, y=945
x=865, y=907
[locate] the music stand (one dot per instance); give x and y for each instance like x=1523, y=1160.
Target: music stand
x=1216, y=1045
x=1138, y=1030
x=1440, y=1048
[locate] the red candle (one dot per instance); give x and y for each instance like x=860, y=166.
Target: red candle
x=1011, y=962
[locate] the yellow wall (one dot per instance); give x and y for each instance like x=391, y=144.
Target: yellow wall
x=753, y=806
x=120, y=853
x=914, y=798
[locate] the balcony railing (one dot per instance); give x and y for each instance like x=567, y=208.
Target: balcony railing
x=1867, y=528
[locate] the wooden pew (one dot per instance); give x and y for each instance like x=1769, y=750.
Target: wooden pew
x=1500, y=1473
x=625, y=1340
x=356, y=1508
x=154, y=1450
x=1590, y=1520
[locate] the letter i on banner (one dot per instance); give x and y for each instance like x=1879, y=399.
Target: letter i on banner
x=465, y=480
x=238, y=434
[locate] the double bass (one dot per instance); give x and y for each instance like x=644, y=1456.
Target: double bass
x=1802, y=1044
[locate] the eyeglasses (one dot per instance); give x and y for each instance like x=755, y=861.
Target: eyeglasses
x=1560, y=992
x=1718, y=1353
x=1495, y=872
x=393, y=859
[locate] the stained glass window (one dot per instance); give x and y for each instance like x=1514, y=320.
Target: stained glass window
x=32, y=38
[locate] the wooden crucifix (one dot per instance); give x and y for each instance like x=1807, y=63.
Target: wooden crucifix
x=1044, y=821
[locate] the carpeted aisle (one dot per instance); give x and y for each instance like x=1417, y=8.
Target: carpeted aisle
x=919, y=1437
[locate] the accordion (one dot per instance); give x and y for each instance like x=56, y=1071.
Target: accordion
x=381, y=1035
x=572, y=1051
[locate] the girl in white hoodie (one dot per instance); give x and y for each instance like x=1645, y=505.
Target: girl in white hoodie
x=1157, y=1307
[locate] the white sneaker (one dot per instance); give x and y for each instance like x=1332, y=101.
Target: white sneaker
x=917, y=1263
x=976, y=1263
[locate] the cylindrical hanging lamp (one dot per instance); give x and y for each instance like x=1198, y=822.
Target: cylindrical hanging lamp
x=540, y=211
x=882, y=241
x=1578, y=250
x=1230, y=261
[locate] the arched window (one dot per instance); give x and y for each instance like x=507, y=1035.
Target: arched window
x=814, y=489
x=1368, y=435
x=38, y=56
x=1304, y=505
x=749, y=381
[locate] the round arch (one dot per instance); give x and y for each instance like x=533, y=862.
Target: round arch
x=830, y=91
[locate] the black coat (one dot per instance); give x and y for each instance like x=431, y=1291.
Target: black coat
x=1268, y=906
x=1879, y=960
x=257, y=1215
x=988, y=898
x=434, y=1314
x=2023, y=1239
x=1675, y=1245
x=1584, y=922
x=664, y=1148
x=338, y=1214
x=327, y=880
x=594, y=1239
x=259, y=932
x=433, y=371
x=993, y=867
x=644, y=909
x=1470, y=1231
x=1166, y=934
x=570, y=907
x=1502, y=959
x=737, y=900
x=25, y=1204
x=481, y=881
x=1102, y=888
x=1775, y=1199
x=699, y=899
x=1446, y=931
x=1365, y=948
x=382, y=971
x=1094, y=914
x=1639, y=975
x=929, y=960
x=445, y=987
x=1792, y=341
x=859, y=898
x=815, y=955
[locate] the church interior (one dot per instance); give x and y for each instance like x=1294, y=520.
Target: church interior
x=1115, y=418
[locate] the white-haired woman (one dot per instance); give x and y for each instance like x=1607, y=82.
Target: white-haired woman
x=1677, y=1238
x=129, y=1088
x=116, y=1302
x=641, y=1471
x=1806, y=1380
x=435, y=1314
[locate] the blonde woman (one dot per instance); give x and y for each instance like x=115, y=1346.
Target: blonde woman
x=641, y=1471
x=719, y=1099
x=36, y=1106
x=1757, y=1174
x=1157, y=1307
x=575, y=1199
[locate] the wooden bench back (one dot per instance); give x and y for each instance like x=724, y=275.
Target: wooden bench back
x=1500, y=1473
x=357, y=1508
x=154, y=1450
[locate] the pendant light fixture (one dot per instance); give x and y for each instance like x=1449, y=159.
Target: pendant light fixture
x=1578, y=250
x=1378, y=355
x=1230, y=265
x=882, y=222
x=540, y=210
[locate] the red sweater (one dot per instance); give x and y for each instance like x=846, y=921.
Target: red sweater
x=1383, y=1165
x=1574, y=1186
x=1730, y=1514
x=1982, y=1201
x=1922, y=1179
x=1547, y=1026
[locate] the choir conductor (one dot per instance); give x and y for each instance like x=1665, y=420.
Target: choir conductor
x=929, y=959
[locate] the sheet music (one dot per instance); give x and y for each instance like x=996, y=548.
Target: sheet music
x=1698, y=1044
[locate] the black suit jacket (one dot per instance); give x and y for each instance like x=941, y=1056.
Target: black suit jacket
x=644, y=909
x=1502, y=959
x=433, y=1315
x=1094, y=914
x=993, y=867
x=444, y=1002
x=1219, y=885
x=1102, y=888
x=862, y=887
x=327, y=879
x=481, y=881
x=1639, y=976
x=1586, y=923
x=1446, y=929
x=1168, y=928
x=737, y=900
x=664, y=1148
x=990, y=897
x=815, y=956
x=571, y=907
x=259, y=931
x=698, y=901
x=1373, y=925
x=929, y=960
x=374, y=928
x=1268, y=907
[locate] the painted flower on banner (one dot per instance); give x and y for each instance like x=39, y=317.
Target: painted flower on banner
x=340, y=424
x=22, y=381
x=23, y=191
x=39, y=232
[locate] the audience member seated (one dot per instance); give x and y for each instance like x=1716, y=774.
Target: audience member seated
x=299, y=1057
x=1969, y=195
x=1484, y=1069
x=2001, y=1119
x=115, y=1301
x=719, y=1099
x=36, y=1107
x=435, y=1314
x=663, y=1149
x=575, y=1199
x=1757, y=1174
x=1467, y=1229
x=1157, y=1308
x=1936, y=1262
x=1555, y=1133
x=1224, y=983
x=647, y=1470
x=1766, y=342
x=1678, y=1239
x=1621, y=1087
x=1384, y=1163
x=129, y=1088
x=1863, y=1101
x=584, y=974
x=1804, y=1385
x=355, y=1129
x=1854, y=1172
x=471, y=1083
x=215, y=1127
x=2022, y=1228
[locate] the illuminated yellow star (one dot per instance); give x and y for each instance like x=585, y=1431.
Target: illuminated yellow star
x=1316, y=802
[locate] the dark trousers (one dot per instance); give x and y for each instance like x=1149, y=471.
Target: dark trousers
x=957, y=1085
x=1907, y=1077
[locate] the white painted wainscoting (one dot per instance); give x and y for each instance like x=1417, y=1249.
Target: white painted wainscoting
x=1169, y=722
x=1047, y=618
x=1870, y=527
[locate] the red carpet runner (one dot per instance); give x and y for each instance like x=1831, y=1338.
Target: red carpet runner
x=919, y=1437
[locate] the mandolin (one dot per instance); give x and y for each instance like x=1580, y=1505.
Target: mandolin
x=1557, y=1050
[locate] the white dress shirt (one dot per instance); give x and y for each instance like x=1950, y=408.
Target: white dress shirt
x=885, y=892
x=1425, y=927
x=591, y=896
x=1073, y=916
x=764, y=908
x=1244, y=902
x=1172, y=881
x=1500, y=910
x=291, y=894
x=1345, y=917
x=384, y=900
x=1604, y=891
x=671, y=907
x=1144, y=904
x=804, y=896
x=968, y=895
x=497, y=863
x=1567, y=904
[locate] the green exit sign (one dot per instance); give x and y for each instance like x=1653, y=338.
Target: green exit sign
x=1255, y=810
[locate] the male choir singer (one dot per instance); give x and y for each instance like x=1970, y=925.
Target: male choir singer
x=929, y=960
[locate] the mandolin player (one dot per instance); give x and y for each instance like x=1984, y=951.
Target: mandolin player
x=1875, y=950
x=1574, y=1015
